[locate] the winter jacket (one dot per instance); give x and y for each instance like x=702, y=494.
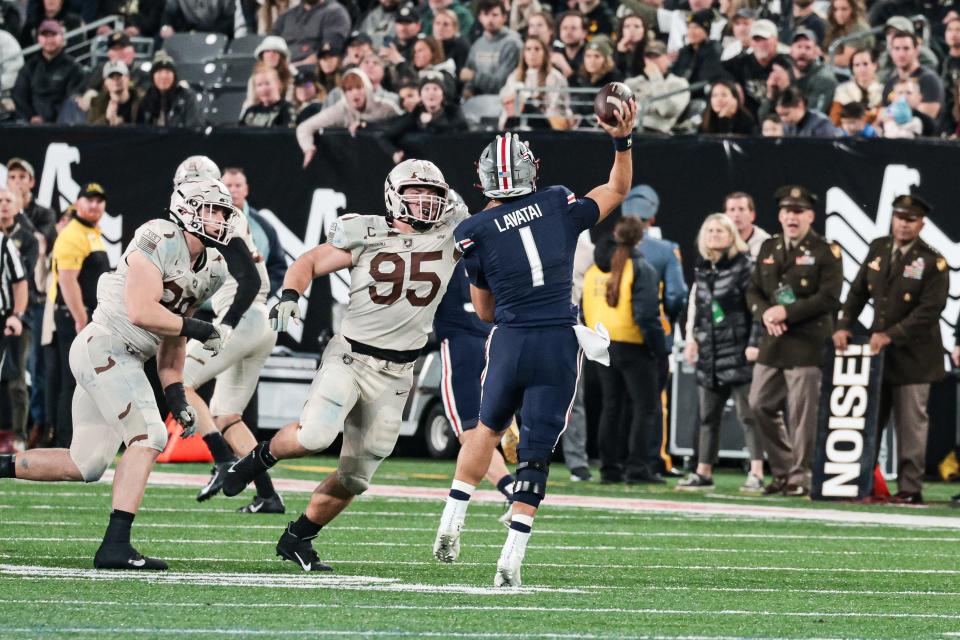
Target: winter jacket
x=813, y=125
x=279, y=114
x=723, y=322
x=342, y=115
x=127, y=111
x=174, y=108
x=44, y=85
x=450, y=120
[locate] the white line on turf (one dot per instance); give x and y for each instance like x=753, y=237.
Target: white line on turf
x=513, y=607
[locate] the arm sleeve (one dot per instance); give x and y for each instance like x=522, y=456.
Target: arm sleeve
x=645, y=302
x=241, y=266
x=691, y=313
x=29, y=253
x=756, y=300
x=21, y=95
x=583, y=211
x=14, y=261
x=933, y=299
x=675, y=287
x=857, y=297
x=471, y=262
x=276, y=261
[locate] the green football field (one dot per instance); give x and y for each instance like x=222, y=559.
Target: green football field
x=662, y=566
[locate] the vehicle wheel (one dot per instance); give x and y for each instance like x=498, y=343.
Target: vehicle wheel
x=438, y=435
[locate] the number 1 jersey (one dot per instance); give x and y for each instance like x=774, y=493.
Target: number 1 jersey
x=397, y=279
x=523, y=251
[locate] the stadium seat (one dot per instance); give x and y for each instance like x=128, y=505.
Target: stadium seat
x=245, y=45
x=194, y=47
x=235, y=72
x=224, y=109
x=199, y=75
x=482, y=112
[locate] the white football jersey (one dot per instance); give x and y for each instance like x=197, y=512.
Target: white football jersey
x=163, y=243
x=223, y=298
x=397, y=279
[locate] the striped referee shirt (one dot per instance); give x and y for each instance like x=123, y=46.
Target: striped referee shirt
x=11, y=271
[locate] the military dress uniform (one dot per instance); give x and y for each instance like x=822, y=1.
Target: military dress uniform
x=908, y=286
x=806, y=276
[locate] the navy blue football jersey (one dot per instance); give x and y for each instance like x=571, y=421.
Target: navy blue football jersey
x=523, y=250
x=455, y=314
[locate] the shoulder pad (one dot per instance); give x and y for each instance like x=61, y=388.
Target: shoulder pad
x=152, y=234
x=456, y=213
x=352, y=230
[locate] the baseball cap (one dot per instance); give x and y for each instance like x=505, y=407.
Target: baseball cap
x=911, y=207
x=408, y=13
x=745, y=13
x=641, y=202
x=50, y=26
x=115, y=66
x=305, y=75
x=359, y=37
x=655, y=49
x=20, y=163
x=118, y=39
x=93, y=190
x=328, y=50
x=763, y=29
x=803, y=32
x=900, y=23
x=794, y=196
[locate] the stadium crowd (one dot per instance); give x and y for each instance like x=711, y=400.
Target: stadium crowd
x=802, y=68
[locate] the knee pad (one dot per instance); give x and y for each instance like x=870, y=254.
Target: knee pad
x=355, y=473
x=530, y=485
x=313, y=436
x=155, y=438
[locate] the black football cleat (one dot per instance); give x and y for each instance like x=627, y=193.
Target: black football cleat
x=273, y=504
x=300, y=551
x=122, y=555
x=215, y=484
x=243, y=472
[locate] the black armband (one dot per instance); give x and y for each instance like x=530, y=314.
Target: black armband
x=623, y=144
x=290, y=295
x=176, y=397
x=196, y=329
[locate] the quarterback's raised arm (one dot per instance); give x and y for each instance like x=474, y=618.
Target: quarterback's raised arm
x=609, y=196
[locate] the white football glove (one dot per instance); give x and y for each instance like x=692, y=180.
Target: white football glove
x=215, y=340
x=282, y=313
x=187, y=417
x=225, y=332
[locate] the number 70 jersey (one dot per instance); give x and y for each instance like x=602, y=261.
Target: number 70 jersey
x=397, y=279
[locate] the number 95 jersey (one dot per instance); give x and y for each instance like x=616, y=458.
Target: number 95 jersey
x=397, y=279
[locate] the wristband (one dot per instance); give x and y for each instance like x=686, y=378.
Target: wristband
x=196, y=329
x=175, y=395
x=623, y=144
x=289, y=295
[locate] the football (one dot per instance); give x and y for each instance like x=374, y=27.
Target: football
x=609, y=99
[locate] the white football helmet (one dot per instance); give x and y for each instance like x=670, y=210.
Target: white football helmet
x=429, y=207
x=507, y=168
x=196, y=168
x=193, y=203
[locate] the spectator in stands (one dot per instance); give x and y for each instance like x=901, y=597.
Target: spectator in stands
x=493, y=56
x=13, y=305
x=140, y=19
x=844, y=19
x=781, y=76
x=79, y=259
x=434, y=114
x=853, y=121
x=573, y=36
x=699, y=59
x=903, y=118
x=520, y=12
x=799, y=121
x=406, y=28
x=409, y=94
x=10, y=19
x=358, y=46
x=446, y=29
x=620, y=291
x=742, y=211
x=725, y=115
x=597, y=70
x=535, y=72
x=905, y=56
x=119, y=101
x=863, y=87
x=631, y=44
x=427, y=56
x=48, y=80
x=738, y=39
x=429, y=9
x=660, y=116
x=310, y=26
x=269, y=109
x=541, y=25
x=11, y=61
x=814, y=79
x=329, y=72
x=22, y=179
x=358, y=107
x=48, y=10
x=119, y=48
x=950, y=68
x=679, y=20
x=805, y=17
x=896, y=26
x=598, y=16
x=307, y=97
x=373, y=66
x=167, y=103
x=268, y=12
x=214, y=16
x=718, y=345
x=378, y=22
x=751, y=68
x=273, y=52
x=772, y=126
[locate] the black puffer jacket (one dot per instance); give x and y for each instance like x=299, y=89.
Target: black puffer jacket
x=722, y=343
